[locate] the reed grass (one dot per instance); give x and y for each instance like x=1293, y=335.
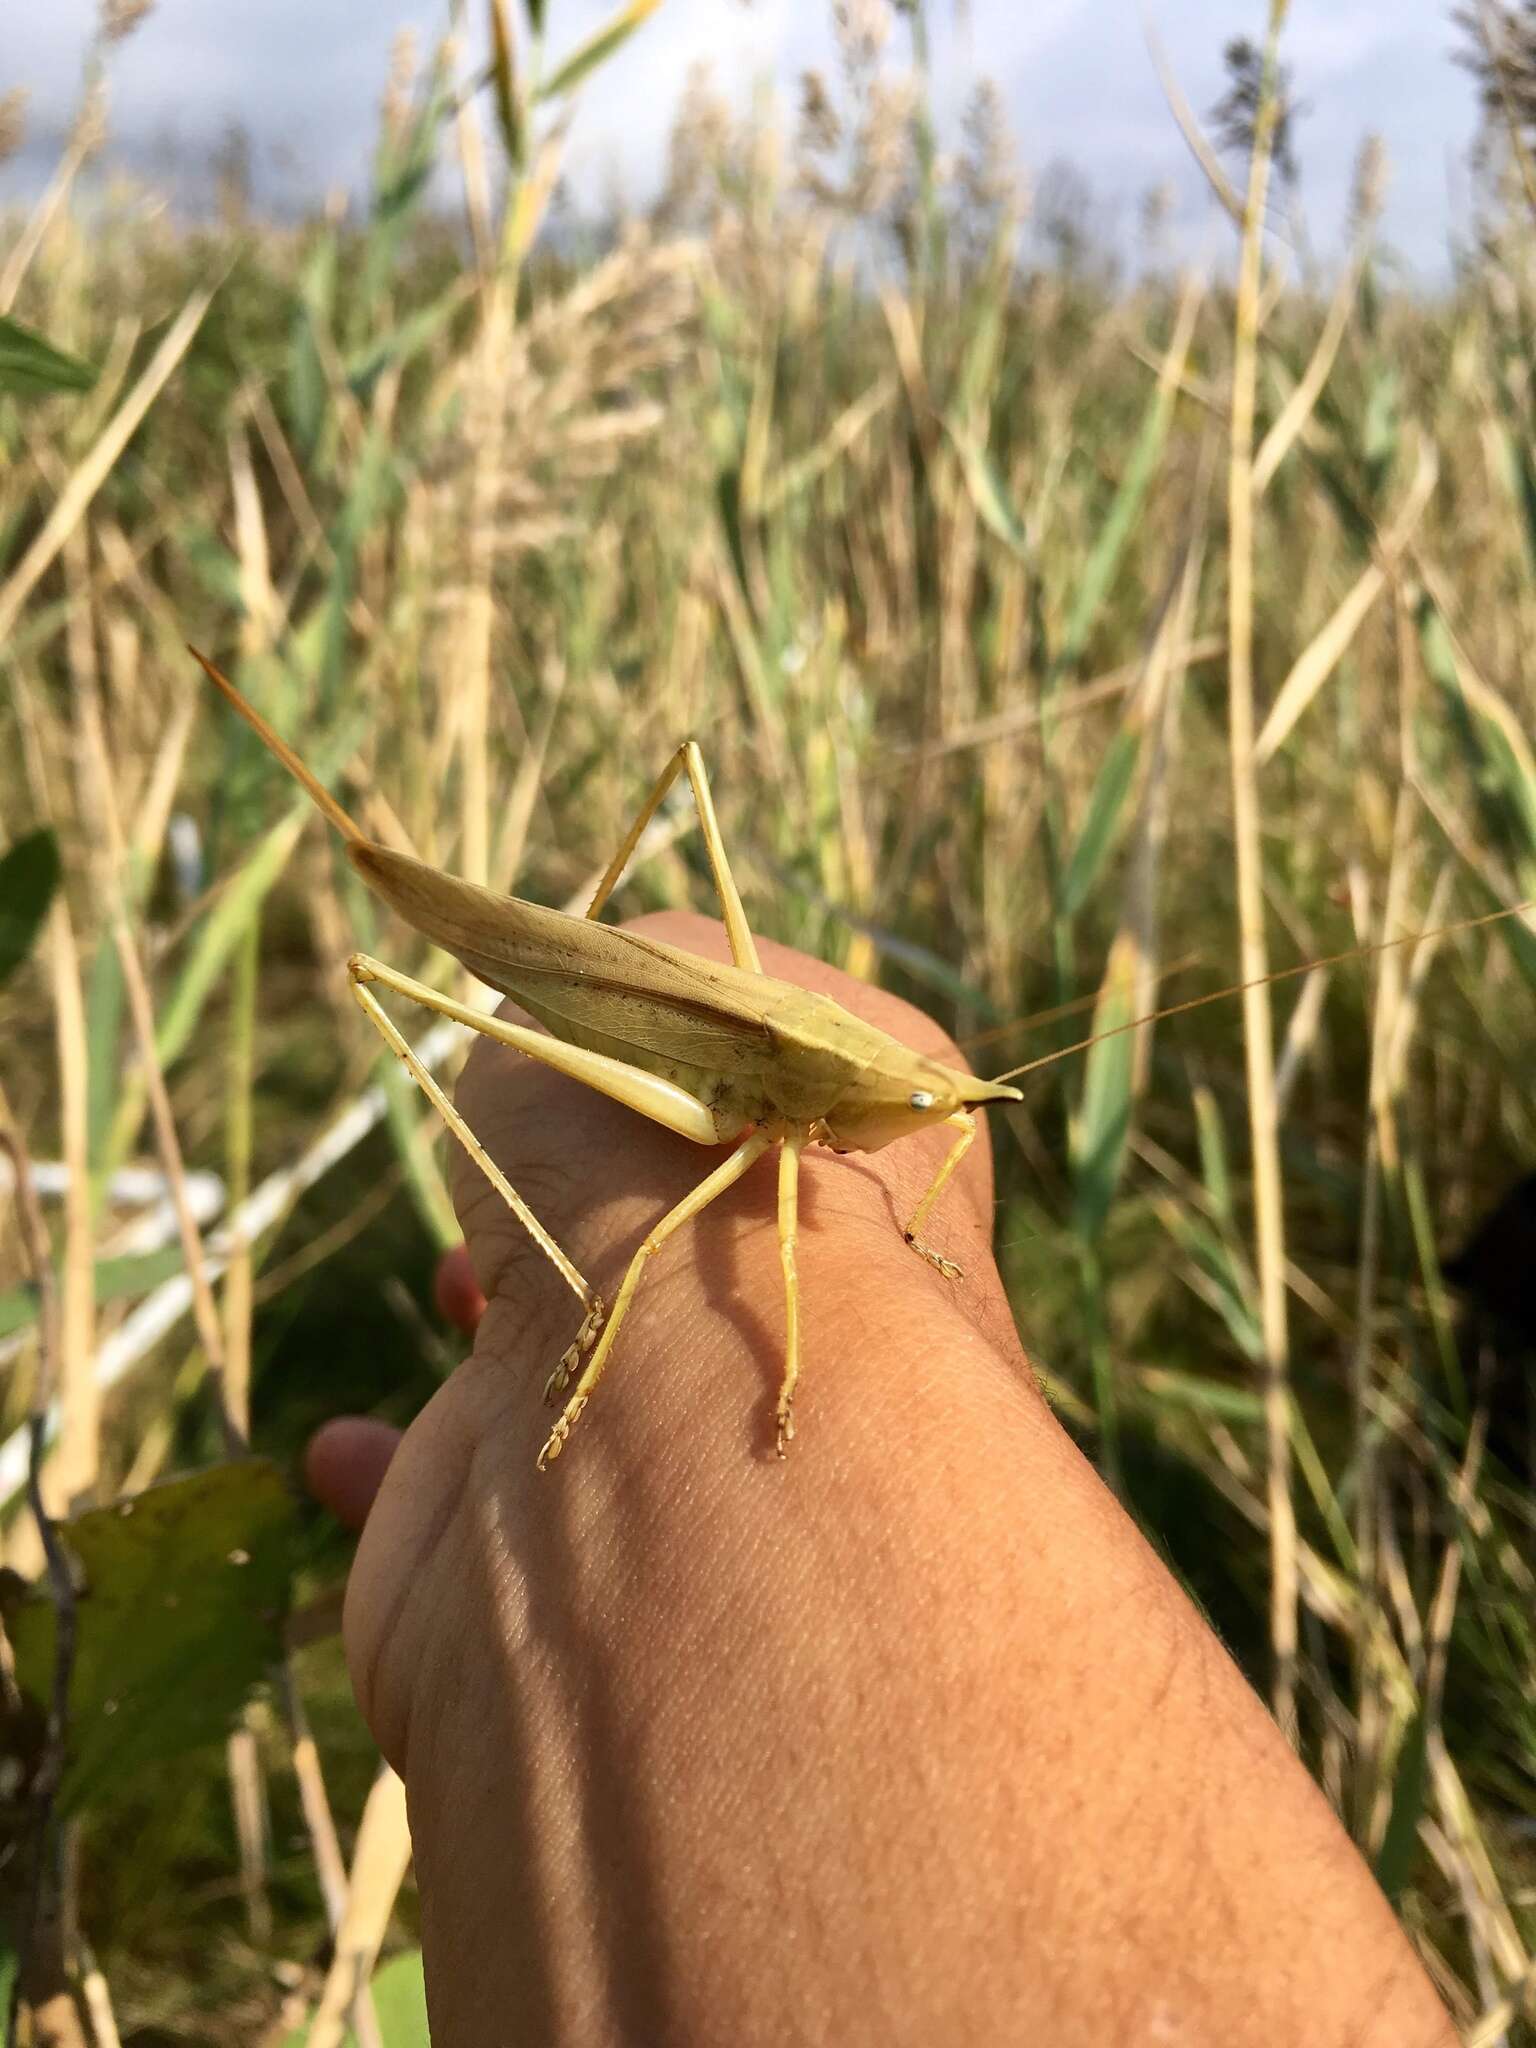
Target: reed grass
x=917, y=522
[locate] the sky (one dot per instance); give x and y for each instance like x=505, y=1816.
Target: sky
x=304, y=78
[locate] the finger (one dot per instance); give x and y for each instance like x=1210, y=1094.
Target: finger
x=456, y=1290
x=345, y=1463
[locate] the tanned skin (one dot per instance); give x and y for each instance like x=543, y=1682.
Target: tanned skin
x=907, y=1740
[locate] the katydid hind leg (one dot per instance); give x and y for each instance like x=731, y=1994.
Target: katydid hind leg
x=662, y=1101
x=725, y=1176
x=965, y=1123
x=688, y=758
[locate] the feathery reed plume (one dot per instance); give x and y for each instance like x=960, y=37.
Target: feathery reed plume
x=13, y=121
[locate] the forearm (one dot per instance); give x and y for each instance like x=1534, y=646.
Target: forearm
x=908, y=1735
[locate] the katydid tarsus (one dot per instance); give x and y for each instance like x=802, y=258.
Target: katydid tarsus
x=722, y=1055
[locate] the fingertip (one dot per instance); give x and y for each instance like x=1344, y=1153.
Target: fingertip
x=344, y=1465
x=457, y=1291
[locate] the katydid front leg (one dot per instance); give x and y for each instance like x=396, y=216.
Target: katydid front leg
x=726, y=1175
x=965, y=1124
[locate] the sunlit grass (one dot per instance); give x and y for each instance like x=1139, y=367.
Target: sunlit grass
x=931, y=547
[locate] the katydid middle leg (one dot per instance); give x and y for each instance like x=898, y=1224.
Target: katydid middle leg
x=789, y=1234
x=730, y=1170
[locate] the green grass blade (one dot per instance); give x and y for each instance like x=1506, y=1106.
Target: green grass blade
x=31, y=367
x=30, y=872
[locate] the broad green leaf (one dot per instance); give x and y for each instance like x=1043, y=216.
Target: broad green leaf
x=598, y=46
x=1101, y=826
x=509, y=98
x=989, y=495
x=183, y=1593
x=29, y=876
x=31, y=366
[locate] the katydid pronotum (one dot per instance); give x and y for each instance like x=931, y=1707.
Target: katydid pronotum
x=721, y=1055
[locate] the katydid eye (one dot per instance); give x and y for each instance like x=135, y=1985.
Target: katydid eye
x=920, y=1099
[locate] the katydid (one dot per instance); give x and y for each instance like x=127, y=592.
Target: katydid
x=721, y=1055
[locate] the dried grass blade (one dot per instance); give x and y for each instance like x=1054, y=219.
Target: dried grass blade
x=88, y=477
x=379, y=1863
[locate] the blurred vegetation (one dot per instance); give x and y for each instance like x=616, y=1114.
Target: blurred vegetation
x=921, y=516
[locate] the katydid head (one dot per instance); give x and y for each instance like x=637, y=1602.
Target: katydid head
x=900, y=1092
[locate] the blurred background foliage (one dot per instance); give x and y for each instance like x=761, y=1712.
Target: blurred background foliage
x=966, y=553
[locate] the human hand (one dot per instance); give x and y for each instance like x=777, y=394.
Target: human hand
x=908, y=1734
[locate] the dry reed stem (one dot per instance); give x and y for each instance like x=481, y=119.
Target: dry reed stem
x=1258, y=1039
x=379, y=1863
x=325, y=1845
x=1332, y=641
x=1292, y=419
x=1227, y=194
x=142, y=1013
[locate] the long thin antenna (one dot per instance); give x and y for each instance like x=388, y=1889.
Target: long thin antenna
x=1440, y=931
x=345, y=825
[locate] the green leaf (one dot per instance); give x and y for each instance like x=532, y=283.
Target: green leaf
x=308, y=388
x=994, y=507
x=399, y=2003
x=598, y=46
x=111, y=1278
x=1399, y=1845
x=535, y=10
x=509, y=100
x=30, y=366
x=366, y=365
x=404, y=171
x=1212, y=1397
x=29, y=876
x=1213, y=1156
x=1101, y=826
x=103, y=1044
x=1234, y=1295
x=1120, y=522
x=219, y=932
x=183, y=1593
